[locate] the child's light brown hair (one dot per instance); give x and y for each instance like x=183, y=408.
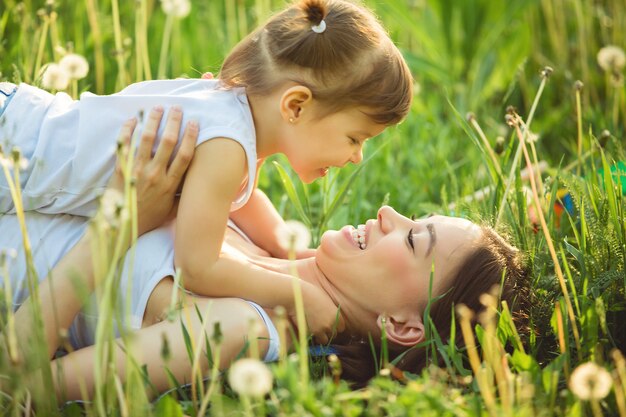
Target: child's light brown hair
x=352, y=63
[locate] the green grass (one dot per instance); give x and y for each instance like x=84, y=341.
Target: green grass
x=474, y=56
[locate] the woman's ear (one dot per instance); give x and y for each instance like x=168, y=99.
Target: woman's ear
x=294, y=102
x=402, y=330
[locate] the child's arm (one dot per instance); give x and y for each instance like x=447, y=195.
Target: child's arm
x=212, y=182
x=260, y=220
x=156, y=184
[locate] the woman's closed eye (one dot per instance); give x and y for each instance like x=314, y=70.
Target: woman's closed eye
x=410, y=240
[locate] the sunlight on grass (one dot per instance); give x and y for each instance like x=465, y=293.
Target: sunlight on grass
x=476, y=57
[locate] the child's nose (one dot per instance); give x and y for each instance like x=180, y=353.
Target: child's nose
x=357, y=156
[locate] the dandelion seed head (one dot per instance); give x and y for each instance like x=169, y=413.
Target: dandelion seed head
x=499, y=148
x=590, y=382
x=75, y=65
x=510, y=120
x=55, y=77
x=250, y=377
x=110, y=203
x=604, y=137
x=532, y=137
x=293, y=235
x=578, y=85
x=176, y=8
x=611, y=58
x=546, y=72
x=6, y=162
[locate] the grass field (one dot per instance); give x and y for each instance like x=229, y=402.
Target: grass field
x=471, y=61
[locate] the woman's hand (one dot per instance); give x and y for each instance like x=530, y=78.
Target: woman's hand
x=155, y=178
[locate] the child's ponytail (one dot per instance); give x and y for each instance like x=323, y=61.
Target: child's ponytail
x=315, y=11
x=336, y=48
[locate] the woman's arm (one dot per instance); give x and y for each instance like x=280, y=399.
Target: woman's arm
x=60, y=294
x=235, y=317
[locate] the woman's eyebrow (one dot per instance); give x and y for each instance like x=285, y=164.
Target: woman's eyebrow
x=433, y=238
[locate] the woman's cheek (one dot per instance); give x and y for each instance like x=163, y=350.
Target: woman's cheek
x=398, y=261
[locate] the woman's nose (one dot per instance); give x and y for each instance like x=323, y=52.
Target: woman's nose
x=387, y=217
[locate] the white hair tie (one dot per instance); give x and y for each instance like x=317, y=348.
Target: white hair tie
x=321, y=27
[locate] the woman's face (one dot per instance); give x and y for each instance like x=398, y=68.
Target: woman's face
x=389, y=270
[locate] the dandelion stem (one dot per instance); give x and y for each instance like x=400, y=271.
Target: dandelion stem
x=42, y=45
x=8, y=299
x=488, y=147
x=92, y=16
x=579, y=127
x=619, y=378
x=144, y=40
x=472, y=352
x=167, y=34
x=215, y=369
x=119, y=49
x=509, y=181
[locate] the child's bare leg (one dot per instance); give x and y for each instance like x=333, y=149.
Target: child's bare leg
x=235, y=317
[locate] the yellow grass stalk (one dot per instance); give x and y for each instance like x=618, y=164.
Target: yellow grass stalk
x=545, y=74
x=483, y=380
x=619, y=379
x=92, y=16
x=119, y=47
x=546, y=232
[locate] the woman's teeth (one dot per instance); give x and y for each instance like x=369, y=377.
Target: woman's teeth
x=358, y=235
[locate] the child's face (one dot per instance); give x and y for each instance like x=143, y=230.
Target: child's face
x=333, y=141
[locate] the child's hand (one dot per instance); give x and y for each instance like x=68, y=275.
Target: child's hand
x=321, y=313
x=156, y=180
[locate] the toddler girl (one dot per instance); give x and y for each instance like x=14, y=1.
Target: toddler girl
x=314, y=83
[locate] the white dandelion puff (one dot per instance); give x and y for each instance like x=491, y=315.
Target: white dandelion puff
x=6, y=162
x=611, y=58
x=9, y=253
x=55, y=78
x=7, y=256
x=590, y=382
x=250, y=378
x=111, y=202
x=176, y=8
x=75, y=65
x=293, y=235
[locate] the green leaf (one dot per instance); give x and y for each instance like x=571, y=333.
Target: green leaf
x=290, y=189
x=168, y=407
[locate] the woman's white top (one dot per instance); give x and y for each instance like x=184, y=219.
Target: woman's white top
x=70, y=144
x=53, y=236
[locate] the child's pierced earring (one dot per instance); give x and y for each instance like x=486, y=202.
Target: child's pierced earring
x=291, y=120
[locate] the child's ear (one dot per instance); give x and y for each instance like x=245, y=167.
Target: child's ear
x=402, y=329
x=294, y=102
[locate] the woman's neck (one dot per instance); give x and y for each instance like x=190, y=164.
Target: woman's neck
x=309, y=271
